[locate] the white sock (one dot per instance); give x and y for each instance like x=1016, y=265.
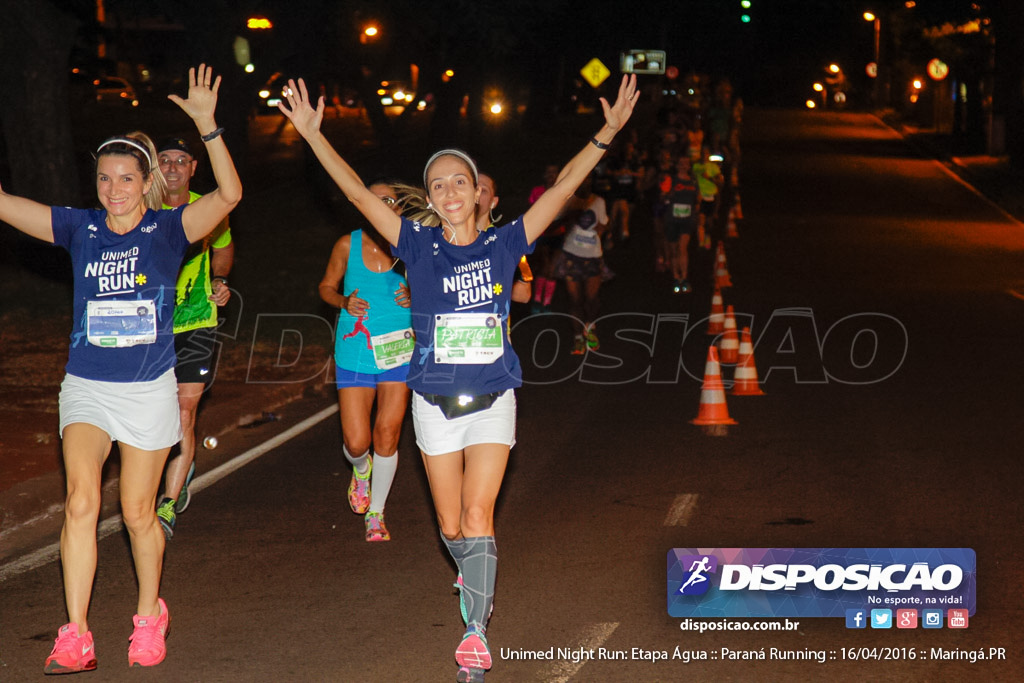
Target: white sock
x=384, y=468
x=361, y=463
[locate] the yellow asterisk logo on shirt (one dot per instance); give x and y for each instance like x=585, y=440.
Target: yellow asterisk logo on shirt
x=140, y=279
x=497, y=289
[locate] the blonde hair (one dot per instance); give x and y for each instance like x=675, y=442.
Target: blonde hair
x=415, y=205
x=140, y=147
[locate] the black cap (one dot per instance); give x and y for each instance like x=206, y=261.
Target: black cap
x=178, y=144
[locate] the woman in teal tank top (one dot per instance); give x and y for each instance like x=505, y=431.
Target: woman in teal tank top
x=372, y=348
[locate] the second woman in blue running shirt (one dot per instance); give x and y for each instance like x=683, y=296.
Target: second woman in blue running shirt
x=463, y=370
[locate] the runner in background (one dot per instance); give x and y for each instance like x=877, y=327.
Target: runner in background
x=372, y=348
x=681, y=202
x=546, y=250
x=710, y=180
x=485, y=219
x=580, y=265
x=202, y=288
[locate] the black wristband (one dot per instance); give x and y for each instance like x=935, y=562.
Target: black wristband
x=597, y=143
x=214, y=135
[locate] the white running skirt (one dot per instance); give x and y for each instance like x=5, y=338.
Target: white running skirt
x=436, y=435
x=140, y=414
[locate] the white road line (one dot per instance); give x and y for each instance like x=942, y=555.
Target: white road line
x=52, y=511
x=114, y=524
x=682, y=509
x=593, y=637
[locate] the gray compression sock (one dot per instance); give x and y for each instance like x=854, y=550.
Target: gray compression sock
x=479, y=568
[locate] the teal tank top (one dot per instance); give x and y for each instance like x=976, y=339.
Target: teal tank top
x=353, y=348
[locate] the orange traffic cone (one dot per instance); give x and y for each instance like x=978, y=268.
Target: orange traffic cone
x=713, y=415
x=745, y=381
x=716, y=321
x=722, y=278
x=738, y=206
x=729, y=344
x=730, y=225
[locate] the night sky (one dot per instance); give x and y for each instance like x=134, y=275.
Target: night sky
x=772, y=59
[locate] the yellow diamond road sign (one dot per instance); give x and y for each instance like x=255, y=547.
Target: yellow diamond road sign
x=595, y=72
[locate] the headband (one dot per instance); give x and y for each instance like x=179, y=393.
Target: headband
x=130, y=143
x=455, y=153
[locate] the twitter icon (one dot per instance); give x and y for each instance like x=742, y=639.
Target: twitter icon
x=881, y=618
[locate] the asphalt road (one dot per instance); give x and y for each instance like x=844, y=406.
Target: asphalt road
x=907, y=437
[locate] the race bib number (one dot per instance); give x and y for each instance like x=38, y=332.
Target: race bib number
x=118, y=324
x=681, y=211
x=393, y=349
x=467, y=338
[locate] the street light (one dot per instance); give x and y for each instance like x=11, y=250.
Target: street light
x=869, y=16
x=369, y=33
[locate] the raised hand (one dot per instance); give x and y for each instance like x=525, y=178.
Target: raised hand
x=617, y=114
x=300, y=112
x=202, y=98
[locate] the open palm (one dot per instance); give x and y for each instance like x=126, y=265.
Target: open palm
x=202, y=97
x=299, y=111
x=617, y=114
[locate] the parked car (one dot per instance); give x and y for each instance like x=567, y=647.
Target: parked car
x=272, y=93
x=114, y=90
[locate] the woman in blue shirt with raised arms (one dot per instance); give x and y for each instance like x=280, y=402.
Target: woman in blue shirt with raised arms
x=463, y=371
x=120, y=383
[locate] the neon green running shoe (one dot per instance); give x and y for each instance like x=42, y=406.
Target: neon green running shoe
x=167, y=517
x=184, y=498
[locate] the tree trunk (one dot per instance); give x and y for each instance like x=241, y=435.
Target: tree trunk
x=35, y=45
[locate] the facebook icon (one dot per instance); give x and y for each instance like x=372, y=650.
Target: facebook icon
x=856, y=618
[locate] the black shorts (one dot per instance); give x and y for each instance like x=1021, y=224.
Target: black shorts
x=578, y=268
x=196, y=352
x=708, y=206
x=674, y=229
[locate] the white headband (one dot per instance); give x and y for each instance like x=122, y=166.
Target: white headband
x=455, y=153
x=131, y=143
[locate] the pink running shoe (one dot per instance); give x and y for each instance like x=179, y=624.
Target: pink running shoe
x=359, y=489
x=375, y=528
x=473, y=652
x=71, y=652
x=147, y=646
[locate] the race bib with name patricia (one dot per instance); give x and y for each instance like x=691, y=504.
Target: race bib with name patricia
x=467, y=338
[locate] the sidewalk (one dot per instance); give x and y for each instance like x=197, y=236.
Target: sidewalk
x=996, y=178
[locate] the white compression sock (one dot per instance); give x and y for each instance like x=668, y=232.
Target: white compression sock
x=361, y=463
x=384, y=468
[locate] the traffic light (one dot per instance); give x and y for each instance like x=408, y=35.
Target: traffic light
x=746, y=6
